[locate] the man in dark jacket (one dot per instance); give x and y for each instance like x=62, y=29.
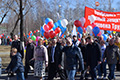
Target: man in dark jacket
x=72, y=56
x=16, y=64
x=18, y=45
x=111, y=53
x=29, y=55
x=93, y=53
x=82, y=46
x=55, y=58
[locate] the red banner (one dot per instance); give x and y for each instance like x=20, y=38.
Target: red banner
x=104, y=20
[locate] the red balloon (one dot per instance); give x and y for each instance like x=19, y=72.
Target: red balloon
x=50, y=24
x=52, y=34
x=34, y=31
x=77, y=23
x=57, y=30
x=10, y=40
x=46, y=28
x=46, y=35
x=93, y=25
x=29, y=34
x=0, y=36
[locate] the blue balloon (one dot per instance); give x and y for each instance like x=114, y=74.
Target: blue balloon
x=42, y=30
x=96, y=30
x=31, y=34
x=42, y=33
x=80, y=30
x=59, y=22
x=63, y=29
x=56, y=24
x=47, y=20
x=104, y=37
x=109, y=32
x=60, y=27
x=27, y=36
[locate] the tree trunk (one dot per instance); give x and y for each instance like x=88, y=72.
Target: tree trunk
x=21, y=24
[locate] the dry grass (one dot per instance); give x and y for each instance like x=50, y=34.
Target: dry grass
x=4, y=48
x=5, y=60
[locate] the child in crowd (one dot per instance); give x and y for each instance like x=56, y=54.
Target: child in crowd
x=16, y=64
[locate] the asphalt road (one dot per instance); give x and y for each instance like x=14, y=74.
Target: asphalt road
x=31, y=77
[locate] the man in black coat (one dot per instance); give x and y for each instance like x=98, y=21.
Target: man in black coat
x=18, y=45
x=29, y=55
x=55, y=58
x=82, y=46
x=93, y=53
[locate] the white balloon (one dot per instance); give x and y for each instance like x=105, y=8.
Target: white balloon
x=102, y=31
x=64, y=22
x=82, y=20
x=89, y=29
x=92, y=18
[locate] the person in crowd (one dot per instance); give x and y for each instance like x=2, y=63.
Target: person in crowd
x=117, y=43
x=100, y=39
x=82, y=46
x=93, y=53
x=16, y=64
x=29, y=55
x=58, y=58
x=75, y=41
x=55, y=60
x=17, y=44
x=51, y=57
x=111, y=53
x=41, y=60
x=73, y=55
x=8, y=41
x=102, y=66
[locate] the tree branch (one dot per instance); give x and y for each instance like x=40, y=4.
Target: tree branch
x=12, y=9
x=3, y=17
x=15, y=25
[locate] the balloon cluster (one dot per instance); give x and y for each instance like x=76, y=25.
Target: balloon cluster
x=80, y=25
x=50, y=29
x=93, y=29
x=1, y=35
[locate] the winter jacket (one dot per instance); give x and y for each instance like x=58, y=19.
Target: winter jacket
x=93, y=52
x=29, y=52
x=111, y=53
x=73, y=55
x=16, y=64
x=18, y=45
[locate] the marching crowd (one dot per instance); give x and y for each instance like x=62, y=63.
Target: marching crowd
x=66, y=57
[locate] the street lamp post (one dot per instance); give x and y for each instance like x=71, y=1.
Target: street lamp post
x=59, y=16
